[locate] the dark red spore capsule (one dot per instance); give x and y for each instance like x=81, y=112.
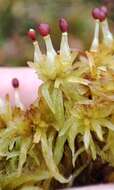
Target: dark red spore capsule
x=32, y=34
x=15, y=83
x=95, y=13
x=63, y=24
x=102, y=16
x=104, y=9
x=43, y=29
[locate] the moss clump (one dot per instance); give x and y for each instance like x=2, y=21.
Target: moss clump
x=68, y=131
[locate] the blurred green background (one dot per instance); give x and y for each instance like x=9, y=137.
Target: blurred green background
x=17, y=16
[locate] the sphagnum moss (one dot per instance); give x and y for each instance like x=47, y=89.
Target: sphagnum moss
x=71, y=124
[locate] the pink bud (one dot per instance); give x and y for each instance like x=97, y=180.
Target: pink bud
x=15, y=83
x=104, y=9
x=63, y=24
x=43, y=29
x=32, y=34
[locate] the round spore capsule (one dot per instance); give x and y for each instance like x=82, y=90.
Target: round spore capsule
x=104, y=9
x=43, y=29
x=15, y=83
x=32, y=34
x=63, y=24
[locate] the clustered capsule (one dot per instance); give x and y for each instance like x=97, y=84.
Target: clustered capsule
x=100, y=15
